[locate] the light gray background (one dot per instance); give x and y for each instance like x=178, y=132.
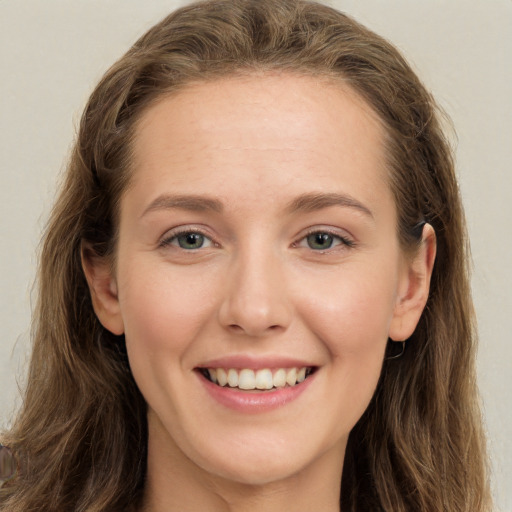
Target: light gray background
x=53, y=52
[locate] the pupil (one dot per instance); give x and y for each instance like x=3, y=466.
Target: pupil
x=320, y=240
x=191, y=241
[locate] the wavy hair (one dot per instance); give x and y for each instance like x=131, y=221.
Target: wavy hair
x=80, y=436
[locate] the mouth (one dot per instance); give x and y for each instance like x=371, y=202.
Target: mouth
x=264, y=379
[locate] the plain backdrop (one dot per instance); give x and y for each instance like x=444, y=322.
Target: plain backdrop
x=53, y=52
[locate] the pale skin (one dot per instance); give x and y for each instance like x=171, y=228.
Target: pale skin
x=281, y=181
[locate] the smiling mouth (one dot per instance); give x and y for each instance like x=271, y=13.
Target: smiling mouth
x=259, y=380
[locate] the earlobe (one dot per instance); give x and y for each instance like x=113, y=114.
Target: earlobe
x=103, y=289
x=414, y=287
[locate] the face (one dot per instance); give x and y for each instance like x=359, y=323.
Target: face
x=257, y=244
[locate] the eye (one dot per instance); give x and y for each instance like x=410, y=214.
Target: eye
x=320, y=241
x=188, y=240
x=323, y=240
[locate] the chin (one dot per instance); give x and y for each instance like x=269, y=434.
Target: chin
x=257, y=474
x=271, y=461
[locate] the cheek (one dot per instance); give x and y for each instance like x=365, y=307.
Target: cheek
x=353, y=315
x=164, y=310
x=352, y=321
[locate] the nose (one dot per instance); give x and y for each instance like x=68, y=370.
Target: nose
x=255, y=301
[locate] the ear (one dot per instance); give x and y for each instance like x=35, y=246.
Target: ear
x=414, y=287
x=103, y=288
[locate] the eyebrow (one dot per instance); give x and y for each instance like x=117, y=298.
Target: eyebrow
x=184, y=202
x=316, y=201
x=303, y=203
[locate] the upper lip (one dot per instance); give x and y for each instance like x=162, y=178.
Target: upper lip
x=255, y=363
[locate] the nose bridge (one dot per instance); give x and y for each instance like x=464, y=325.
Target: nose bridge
x=255, y=301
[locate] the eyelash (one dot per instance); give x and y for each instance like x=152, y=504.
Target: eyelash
x=344, y=241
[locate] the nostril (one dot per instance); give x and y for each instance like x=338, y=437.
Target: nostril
x=235, y=328
x=253, y=330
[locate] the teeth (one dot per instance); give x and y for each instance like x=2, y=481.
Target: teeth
x=213, y=375
x=263, y=379
x=291, y=377
x=246, y=380
x=222, y=376
x=280, y=378
x=232, y=378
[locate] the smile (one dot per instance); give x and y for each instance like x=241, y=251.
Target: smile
x=264, y=379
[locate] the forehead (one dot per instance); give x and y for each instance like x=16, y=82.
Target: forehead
x=273, y=130
x=307, y=106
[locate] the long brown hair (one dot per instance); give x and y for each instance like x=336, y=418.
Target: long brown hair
x=80, y=437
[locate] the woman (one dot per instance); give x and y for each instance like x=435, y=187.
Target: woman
x=239, y=307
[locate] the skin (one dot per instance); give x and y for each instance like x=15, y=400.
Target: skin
x=257, y=288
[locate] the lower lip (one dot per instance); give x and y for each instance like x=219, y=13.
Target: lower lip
x=256, y=401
